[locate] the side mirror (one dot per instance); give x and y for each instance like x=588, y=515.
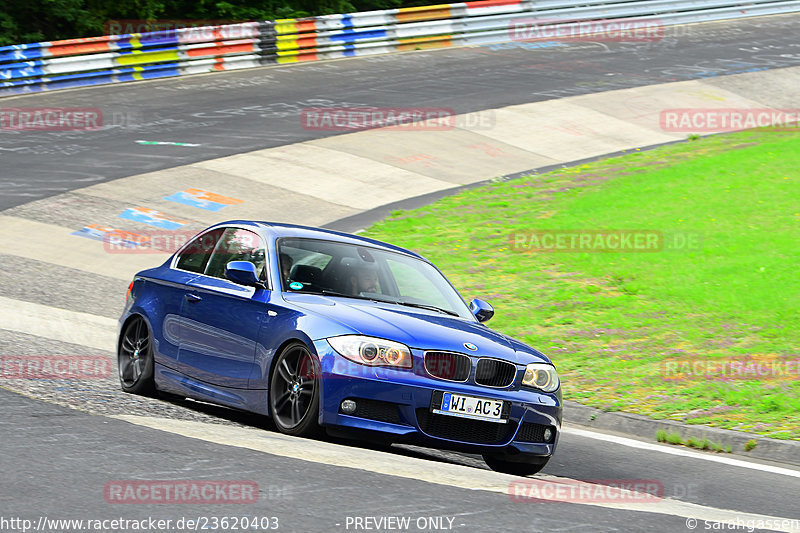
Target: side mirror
x=481, y=310
x=243, y=273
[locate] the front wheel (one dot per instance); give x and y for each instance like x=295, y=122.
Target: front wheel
x=515, y=468
x=135, y=359
x=294, y=392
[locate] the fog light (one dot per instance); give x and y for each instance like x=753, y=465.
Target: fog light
x=348, y=407
x=548, y=433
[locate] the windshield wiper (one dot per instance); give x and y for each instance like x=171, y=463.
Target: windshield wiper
x=398, y=302
x=328, y=292
x=428, y=307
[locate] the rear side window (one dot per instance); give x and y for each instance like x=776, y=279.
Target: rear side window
x=194, y=257
x=237, y=245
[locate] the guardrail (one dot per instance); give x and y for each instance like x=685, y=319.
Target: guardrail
x=117, y=58
x=54, y=65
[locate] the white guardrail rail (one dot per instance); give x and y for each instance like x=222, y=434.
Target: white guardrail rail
x=27, y=68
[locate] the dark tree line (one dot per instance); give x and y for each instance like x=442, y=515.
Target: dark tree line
x=27, y=21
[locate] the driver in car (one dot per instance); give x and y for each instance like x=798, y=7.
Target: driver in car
x=364, y=280
x=286, y=266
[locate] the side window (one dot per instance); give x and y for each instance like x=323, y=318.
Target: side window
x=194, y=257
x=237, y=245
x=303, y=265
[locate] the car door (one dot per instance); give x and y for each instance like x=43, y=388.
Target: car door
x=189, y=263
x=220, y=319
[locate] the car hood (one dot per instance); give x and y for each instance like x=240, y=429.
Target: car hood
x=416, y=328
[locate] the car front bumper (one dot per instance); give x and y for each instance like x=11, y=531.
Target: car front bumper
x=395, y=405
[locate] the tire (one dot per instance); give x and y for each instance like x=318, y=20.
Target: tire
x=135, y=359
x=514, y=468
x=294, y=392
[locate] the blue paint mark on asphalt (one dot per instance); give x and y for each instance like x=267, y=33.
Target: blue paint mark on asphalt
x=151, y=217
x=185, y=198
x=524, y=45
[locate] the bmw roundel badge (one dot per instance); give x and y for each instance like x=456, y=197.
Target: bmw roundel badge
x=470, y=346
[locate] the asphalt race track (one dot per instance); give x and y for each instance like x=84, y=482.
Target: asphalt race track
x=72, y=455
x=242, y=111
x=56, y=461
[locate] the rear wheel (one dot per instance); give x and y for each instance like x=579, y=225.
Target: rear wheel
x=135, y=359
x=294, y=392
x=515, y=468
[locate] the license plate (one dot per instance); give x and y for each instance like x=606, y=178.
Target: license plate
x=471, y=407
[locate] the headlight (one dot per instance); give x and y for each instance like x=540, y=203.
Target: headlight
x=371, y=351
x=541, y=376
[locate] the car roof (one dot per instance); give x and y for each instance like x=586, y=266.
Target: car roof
x=278, y=230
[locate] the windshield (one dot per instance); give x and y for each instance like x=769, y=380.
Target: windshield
x=354, y=271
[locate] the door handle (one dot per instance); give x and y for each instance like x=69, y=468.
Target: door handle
x=192, y=298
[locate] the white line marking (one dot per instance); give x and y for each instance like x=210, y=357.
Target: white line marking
x=94, y=331
x=166, y=143
x=451, y=475
x=680, y=452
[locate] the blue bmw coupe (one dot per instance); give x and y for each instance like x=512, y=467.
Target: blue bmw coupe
x=326, y=331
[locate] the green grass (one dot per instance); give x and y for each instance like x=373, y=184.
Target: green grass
x=613, y=322
x=700, y=444
x=673, y=438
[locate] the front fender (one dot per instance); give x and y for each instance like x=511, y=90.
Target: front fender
x=290, y=325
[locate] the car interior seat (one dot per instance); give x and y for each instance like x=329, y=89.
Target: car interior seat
x=307, y=275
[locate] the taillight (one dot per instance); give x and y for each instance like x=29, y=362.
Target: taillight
x=128, y=294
